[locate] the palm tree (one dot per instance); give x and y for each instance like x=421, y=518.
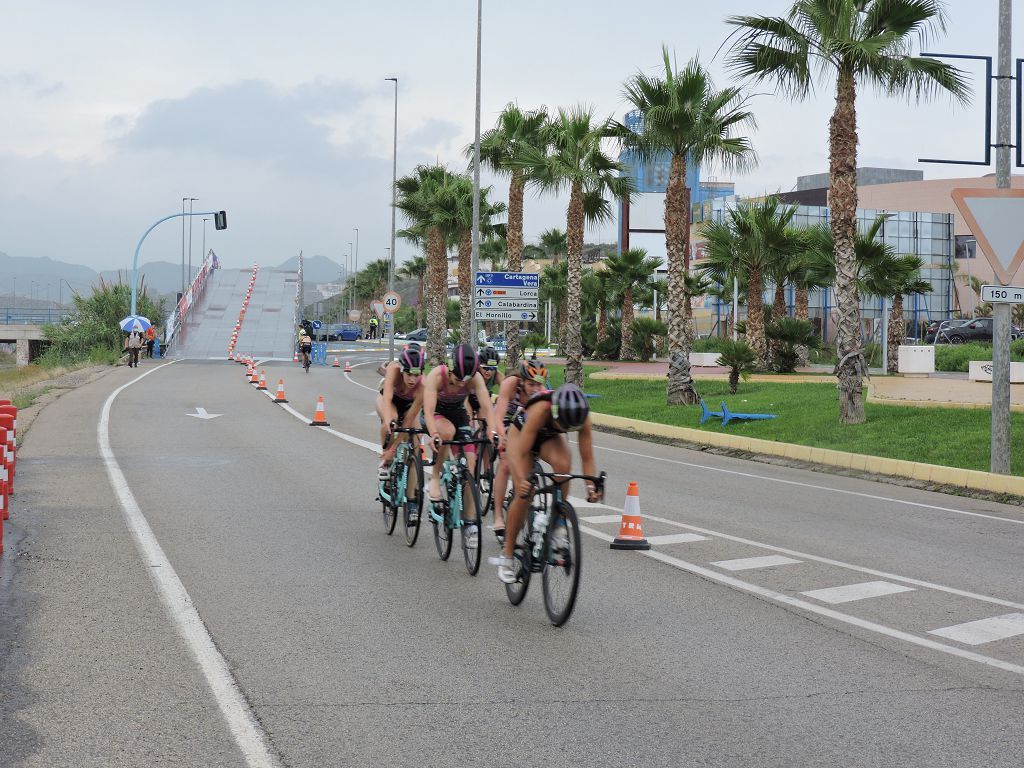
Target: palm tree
x=738, y=357
x=576, y=161
x=687, y=119
x=428, y=198
x=852, y=41
x=500, y=147
x=751, y=239
x=630, y=270
x=907, y=282
x=416, y=269
x=554, y=286
x=553, y=243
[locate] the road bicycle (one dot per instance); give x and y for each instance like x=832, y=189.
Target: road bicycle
x=306, y=360
x=459, y=505
x=486, y=461
x=403, y=486
x=549, y=544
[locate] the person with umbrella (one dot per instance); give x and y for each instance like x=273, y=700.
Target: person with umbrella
x=135, y=326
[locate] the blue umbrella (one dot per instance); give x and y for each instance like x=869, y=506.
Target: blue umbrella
x=135, y=323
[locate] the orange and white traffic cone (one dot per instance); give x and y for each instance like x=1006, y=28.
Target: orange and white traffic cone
x=320, y=417
x=279, y=397
x=336, y=363
x=262, y=383
x=631, y=532
x=295, y=357
x=248, y=370
x=348, y=366
x=254, y=379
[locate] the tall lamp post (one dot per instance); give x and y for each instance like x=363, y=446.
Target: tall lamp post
x=475, y=257
x=204, y=238
x=190, y=201
x=394, y=183
x=352, y=281
x=183, y=201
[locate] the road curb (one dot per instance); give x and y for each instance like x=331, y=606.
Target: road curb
x=914, y=470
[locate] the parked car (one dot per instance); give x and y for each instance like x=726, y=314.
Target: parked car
x=339, y=332
x=975, y=329
x=420, y=334
x=941, y=329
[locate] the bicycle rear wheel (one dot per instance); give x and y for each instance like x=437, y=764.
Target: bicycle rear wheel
x=564, y=552
x=516, y=592
x=486, y=455
x=412, y=506
x=443, y=536
x=390, y=507
x=470, y=515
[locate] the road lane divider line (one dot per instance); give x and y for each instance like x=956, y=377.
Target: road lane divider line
x=802, y=605
x=812, y=486
x=801, y=555
x=357, y=365
x=347, y=438
x=237, y=713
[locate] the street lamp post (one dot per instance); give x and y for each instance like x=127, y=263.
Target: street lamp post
x=394, y=182
x=352, y=280
x=204, y=238
x=475, y=257
x=190, y=201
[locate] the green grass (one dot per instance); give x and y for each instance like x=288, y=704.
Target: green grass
x=808, y=414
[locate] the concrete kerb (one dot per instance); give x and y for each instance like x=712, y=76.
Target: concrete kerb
x=961, y=478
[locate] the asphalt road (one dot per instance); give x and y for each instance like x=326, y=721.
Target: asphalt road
x=350, y=649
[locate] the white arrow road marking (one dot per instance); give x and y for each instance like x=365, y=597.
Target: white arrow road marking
x=202, y=414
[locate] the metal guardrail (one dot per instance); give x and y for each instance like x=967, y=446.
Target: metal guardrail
x=28, y=316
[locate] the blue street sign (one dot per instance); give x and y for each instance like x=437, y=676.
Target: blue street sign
x=508, y=279
x=317, y=325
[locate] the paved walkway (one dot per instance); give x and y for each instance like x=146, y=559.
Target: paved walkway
x=939, y=389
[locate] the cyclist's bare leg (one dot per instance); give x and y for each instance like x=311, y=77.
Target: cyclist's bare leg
x=554, y=452
x=387, y=413
x=500, y=486
x=446, y=430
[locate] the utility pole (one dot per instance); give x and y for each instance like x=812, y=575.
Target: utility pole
x=475, y=258
x=1000, y=449
x=391, y=256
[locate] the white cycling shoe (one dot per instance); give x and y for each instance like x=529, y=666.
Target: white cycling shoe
x=507, y=570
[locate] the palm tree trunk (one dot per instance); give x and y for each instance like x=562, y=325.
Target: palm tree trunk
x=843, y=201
x=420, y=309
x=563, y=310
x=779, y=303
x=677, y=242
x=755, y=319
x=466, y=287
x=602, y=323
x=571, y=321
x=897, y=332
x=514, y=243
x=437, y=296
x=627, y=352
x=800, y=312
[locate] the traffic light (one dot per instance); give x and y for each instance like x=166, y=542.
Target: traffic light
x=220, y=220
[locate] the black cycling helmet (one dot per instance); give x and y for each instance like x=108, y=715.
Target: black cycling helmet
x=411, y=361
x=569, y=407
x=489, y=357
x=465, y=362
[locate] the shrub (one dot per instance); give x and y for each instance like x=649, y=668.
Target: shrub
x=788, y=333
x=646, y=332
x=738, y=357
x=955, y=357
x=712, y=344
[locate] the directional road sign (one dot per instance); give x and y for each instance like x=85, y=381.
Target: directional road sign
x=1002, y=294
x=994, y=216
x=506, y=296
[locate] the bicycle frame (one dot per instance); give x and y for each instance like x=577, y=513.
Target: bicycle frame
x=554, y=490
x=401, y=453
x=453, y=472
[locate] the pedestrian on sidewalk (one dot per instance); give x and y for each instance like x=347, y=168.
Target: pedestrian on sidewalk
x=135, y=343
x=150, y=341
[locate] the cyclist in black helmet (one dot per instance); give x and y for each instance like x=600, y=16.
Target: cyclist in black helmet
x=539, y=431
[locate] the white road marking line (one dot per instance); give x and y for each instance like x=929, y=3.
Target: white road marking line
x=353, y=381
x=675, y=538
x=347, y=438
x=598, y=518
x=984, y=630
x=829, y=561
x=750, y=563
x=813, y=486
x=851, y=592
x=247, y=733
x=803, y=605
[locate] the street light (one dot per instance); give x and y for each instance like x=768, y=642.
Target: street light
x=190, y=201
x=394, y=183
x=475, y=253
x=183, y=201
x=204, y=238
x=351, y=281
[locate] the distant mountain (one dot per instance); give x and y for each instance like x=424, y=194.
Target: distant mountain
x=161, y=277
x=315, y=269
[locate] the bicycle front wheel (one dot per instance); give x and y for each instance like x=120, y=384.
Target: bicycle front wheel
x=412, y=507
x=470, y=516
x=390, y=507
x=564, y=552
x=516, y=591
x=486, y=456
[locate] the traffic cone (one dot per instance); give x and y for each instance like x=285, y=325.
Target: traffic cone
x=262, y=384
x=295, y=357
x=348, y=366
x=631, y=532
x=279, y=397
x=320, y=417
x=254, y=379
x=336, y=363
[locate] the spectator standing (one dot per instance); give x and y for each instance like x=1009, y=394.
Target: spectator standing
x=134, y=347
x=150, y=341
x=373, y=327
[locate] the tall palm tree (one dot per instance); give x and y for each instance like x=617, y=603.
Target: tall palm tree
x=554, y=287
x=686, y=118
x=429, y=200
x=751, y=240
x=630, y=270
x=576, y=161
x=553, y=243
x=846, y=42
x=907, y=282
x=499, y=148
x=416, y=269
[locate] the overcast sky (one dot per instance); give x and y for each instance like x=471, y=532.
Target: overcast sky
x=111, y=112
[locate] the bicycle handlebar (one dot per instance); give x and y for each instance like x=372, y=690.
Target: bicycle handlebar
x=563, y=477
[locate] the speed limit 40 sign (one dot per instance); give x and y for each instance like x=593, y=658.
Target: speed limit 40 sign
x=392, y=302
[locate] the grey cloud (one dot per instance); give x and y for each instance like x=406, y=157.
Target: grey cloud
x=432, y=134
x=26, y=81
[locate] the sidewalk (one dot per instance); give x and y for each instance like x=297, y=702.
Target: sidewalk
x=939, y=390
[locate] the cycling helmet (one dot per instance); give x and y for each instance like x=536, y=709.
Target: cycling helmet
x=532, y=370
x=465, y=362
x=411, y=361
x=569, y=407
x=489, y=357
